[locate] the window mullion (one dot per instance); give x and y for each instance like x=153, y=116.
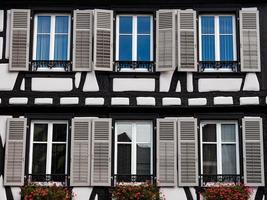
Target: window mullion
x=217, y=38
x=219, y=149
x=134, y=39
x=49, y=149
x=52, y=37
x=134, y=148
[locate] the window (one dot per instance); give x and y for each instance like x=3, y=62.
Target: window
x=134, y=40
x=217, y=41
x=219, y=150
x=51, y=39
x=48, y=151
x=133, y=150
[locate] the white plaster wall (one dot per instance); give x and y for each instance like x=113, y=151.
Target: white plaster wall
x=178, y=87
x=145, y=101
x=133, y=84
x=90, y=84
x=7, y=78
x=82, y=193
x=52, y=84
x=249, y=100
x=219, y=84
x=3, y=119
x=16, y=193
x=223, y=100
x=165, y=81
x=251, y=82
x=2, y=189
x=1, y=47
x=197, y=101
x=77, y=79
x=189, y=79
x=1, y=20
x=120, y=101
x=22, y=86
x=7, y=34
x=173, y=193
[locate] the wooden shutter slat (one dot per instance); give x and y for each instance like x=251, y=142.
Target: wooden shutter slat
x=101, y=152
x=19, y=40
x=253, y=151
x=187, y=152
x=187, y=41
x=166, y=152
x=103, y=40
x=15, y=152
x=165, y=40
x=82, y=40
x=80, y=152
x=249, y=41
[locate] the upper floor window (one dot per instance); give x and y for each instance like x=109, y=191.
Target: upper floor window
x=217, y=42
x=51, y=38
x=48, y=154
x=133, y=151
x=219, y=147
x=134, y=40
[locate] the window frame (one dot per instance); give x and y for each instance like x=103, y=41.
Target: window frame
x=49, y=143
x=134, y=39
x=219, y=144
x=133, y=144
x=217, y=39
x=52, y=38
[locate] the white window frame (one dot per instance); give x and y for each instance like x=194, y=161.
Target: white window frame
x=49, y=143
x=133, y=145
x=52, y=38
x=219, y=143
x=134, y=38
x=217, y=39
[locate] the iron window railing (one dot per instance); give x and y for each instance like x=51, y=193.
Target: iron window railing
x=143, y=65
x=232, y=65
x=117, y=178
x=61, y=178
x=220, y=178
x=51, y=64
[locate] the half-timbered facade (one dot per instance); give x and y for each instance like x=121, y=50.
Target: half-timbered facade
x=94, y=93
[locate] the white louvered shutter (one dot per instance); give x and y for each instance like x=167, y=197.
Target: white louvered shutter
x=101, y=152
x=80, y=152
x=249, y=41
x=19, y=40
x=165, y=40
x=187, y=152
x=82, y=40
x=15, y=152
x=166, y=152
x=103, y=40
x=187, y=41
x=253, y=151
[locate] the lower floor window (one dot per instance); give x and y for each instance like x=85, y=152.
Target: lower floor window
x=133, y=150
x=48, y=150
x=219, y=150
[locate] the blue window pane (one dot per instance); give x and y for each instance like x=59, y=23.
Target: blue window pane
x=143, y=24
x=143, y=48
x=42, y=49
x=226, y=48
x=208, y=48
x=207, y=24
x=226, y=24
x=61, y=47
x=62, y=24
x=125, y=48
x=126, y=24
x=43, y=24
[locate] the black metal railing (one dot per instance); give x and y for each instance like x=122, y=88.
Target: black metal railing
x=146, y=65
x=133, y=178
x=232, y=65
x=220, y=178
x=50, y=64
x=61, y=178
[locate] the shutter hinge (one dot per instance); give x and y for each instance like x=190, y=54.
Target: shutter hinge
x=112, y=127
x=31, y=18
x=198, y=127
x=27, y=126
x=70, y=127
x=155, y=128
x=240, y=126
x=114, y=19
